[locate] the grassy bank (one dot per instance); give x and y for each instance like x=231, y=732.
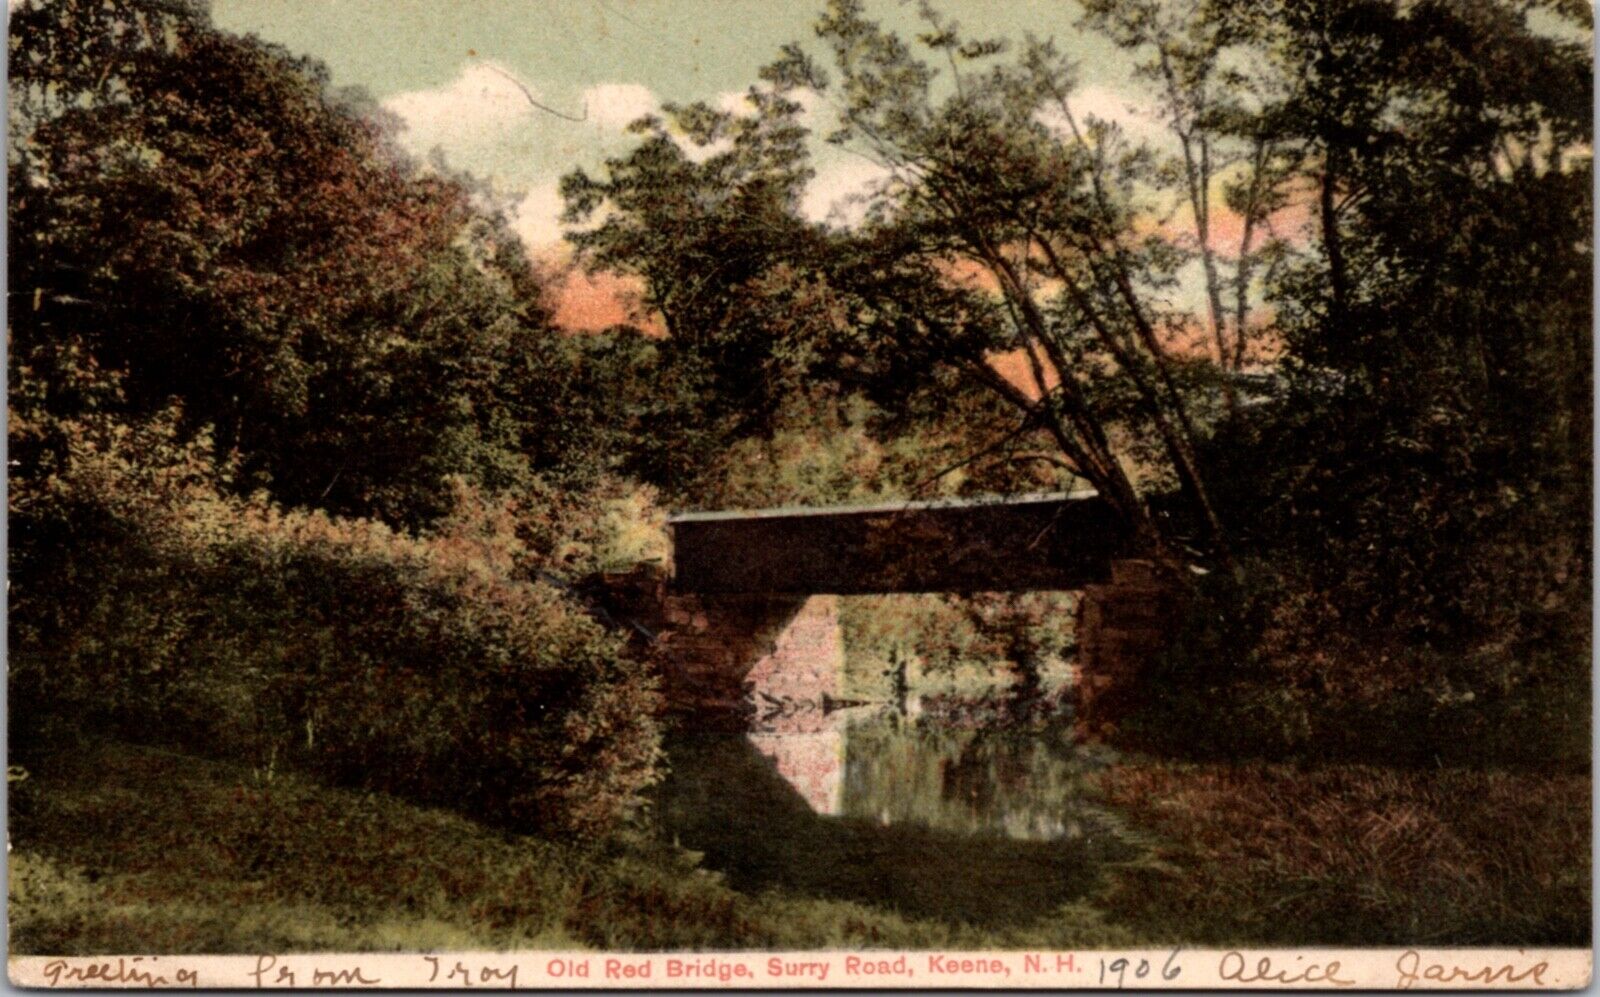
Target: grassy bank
x=129, y=849
x=124, y=849
x=1357, y=854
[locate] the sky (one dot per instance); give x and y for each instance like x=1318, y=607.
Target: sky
x=455, y=71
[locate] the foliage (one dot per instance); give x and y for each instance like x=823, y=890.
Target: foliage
x=1356, y=855
x=707, y=221
x=201, y=214
x=1227, y=164
x=301, y=474
x=1272, y=669
x=1027, y=219
x=643, y=403
x=826, y=449
x=967, y=645
x=440, y=668
x=252, y=347
x=1418, y=490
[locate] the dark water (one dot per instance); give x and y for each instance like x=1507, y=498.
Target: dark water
x=990, y=827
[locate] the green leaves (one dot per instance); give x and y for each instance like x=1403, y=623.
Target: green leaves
x=435, y=668
x=704, y=212
x=211, y=224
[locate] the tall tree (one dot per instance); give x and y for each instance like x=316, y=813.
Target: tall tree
x=703, y=211
x=993, y=171
x=1435, y=449
x=760, y=308
x=208, y=221
x=1228, y=158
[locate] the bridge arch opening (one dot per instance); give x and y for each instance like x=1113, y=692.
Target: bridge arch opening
x=748, y=615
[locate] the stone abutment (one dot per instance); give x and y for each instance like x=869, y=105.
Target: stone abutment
x=1122, y=625
x=728, y=658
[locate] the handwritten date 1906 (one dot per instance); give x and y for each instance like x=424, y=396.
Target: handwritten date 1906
x=1118, y=971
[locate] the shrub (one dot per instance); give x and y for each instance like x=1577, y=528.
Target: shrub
x=1270, y=668
x=434, y=667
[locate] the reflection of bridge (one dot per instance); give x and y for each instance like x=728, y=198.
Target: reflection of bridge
x=749, y=608
x=725, y=797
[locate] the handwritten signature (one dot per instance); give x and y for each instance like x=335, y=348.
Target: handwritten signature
x=1234, y=967
x=1411, y=968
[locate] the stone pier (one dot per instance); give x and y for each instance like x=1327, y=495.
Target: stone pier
x=732, y=656
x=1121, y=626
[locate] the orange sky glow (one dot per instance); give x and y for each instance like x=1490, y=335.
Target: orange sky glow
x=592, y=302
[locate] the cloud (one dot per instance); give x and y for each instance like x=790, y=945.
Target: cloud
x=617, y=105
x=839, y=192
x=1131, y=111
x=536, y=219
x=736, y=102
x=497, y=124
x=474, y=110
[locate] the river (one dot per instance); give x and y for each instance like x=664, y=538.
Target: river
x=990, y=826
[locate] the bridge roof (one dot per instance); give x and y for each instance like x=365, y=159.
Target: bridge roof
x=991, y=543
x=890, y=505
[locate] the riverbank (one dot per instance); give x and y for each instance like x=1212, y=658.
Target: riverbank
x=120, y=848
x=1366, y=855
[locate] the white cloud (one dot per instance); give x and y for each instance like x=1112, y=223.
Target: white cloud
x=1132, y=112
x=537, y=217
x=499, y=125
x=735, y=102
x=473, y=110
x=617, y=105
x=700, y=153
x=839, y=192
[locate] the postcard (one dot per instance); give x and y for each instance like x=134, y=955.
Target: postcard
x=905, y=494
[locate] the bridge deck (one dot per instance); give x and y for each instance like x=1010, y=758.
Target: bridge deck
x=1058, y=541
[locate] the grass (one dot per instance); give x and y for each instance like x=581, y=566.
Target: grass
x=131, y=849
x=119, y=848
x=1356, y=855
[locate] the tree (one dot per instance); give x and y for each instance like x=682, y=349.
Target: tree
x=764, y=313
x=1449, y=288
x=993, y=171
x=214, y=226
x=709, y=224
x=1213, y=111
x=1426, y=473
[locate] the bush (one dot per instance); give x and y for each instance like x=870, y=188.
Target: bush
x=434, y=667
x=1270, y=668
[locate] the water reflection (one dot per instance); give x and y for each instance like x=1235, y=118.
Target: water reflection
x=986, y=826
x=812, y=763
x=1021, y=784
